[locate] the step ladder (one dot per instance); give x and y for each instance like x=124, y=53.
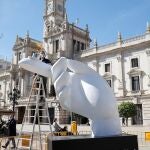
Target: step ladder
x=36, y=116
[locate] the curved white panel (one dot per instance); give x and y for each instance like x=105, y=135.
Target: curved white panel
x=36, y=66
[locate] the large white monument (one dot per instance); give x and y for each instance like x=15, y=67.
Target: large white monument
x=81, y=90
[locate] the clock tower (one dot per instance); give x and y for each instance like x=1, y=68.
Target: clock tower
x=55, y=10
x=60, y=37
x=54, y=22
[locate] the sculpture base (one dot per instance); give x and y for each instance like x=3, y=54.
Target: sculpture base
x=120, y=142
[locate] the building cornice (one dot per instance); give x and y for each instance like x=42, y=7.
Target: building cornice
x=135, y=71
x=115, y=46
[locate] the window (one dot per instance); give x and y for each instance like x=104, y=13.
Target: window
x=48, y=28
x=74, y=45
x=135, y=83
x=0, y=86
x=17, y=83
x=109, y=82
x=57, y=45
x=82, y=46
x=78, y=46
x=107, y=67
x=134, y=62
x=1, y=66
x=19, y=56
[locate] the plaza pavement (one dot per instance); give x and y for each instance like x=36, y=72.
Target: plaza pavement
x=85, y=129
x=137, y=130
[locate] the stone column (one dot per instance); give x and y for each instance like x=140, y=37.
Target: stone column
x=120, y=75
x=145, y=102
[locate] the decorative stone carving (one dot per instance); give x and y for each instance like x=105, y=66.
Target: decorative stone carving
x=47, y=22
x=62, y=37
x=148, y=79
x=50, y=41
x=21, y=72
x=51, y=24
x=119, y=58
x=120, y=87
x=108, y=75
x=136, y=71
x=148, y=52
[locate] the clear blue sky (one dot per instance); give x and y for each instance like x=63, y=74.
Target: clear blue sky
x=105, y=19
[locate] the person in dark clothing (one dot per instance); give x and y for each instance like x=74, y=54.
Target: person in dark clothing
x=11, y=123
x=123, y=121
x=1, y=126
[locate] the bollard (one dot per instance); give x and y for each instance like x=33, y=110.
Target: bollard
x=74, y=127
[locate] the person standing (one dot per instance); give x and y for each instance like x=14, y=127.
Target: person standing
x=123, y=121
x=11, y=132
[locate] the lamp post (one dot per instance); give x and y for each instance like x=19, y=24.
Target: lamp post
x=14, y=96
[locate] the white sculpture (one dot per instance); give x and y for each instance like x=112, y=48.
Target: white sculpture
x=81, y=90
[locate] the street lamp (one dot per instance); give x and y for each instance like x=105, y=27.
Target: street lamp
x=14, y=96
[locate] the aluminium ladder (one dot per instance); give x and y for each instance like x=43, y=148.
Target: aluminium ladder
x=36, y=113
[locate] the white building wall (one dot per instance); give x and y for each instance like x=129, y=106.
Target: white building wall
x=119, y=56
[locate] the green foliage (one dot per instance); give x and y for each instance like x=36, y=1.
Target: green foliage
x=127, y=109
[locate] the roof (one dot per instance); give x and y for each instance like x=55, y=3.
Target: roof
x=33, y=43
x=36, y=45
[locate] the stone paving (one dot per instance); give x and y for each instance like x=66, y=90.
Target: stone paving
x=137, y=130
x=140, y=131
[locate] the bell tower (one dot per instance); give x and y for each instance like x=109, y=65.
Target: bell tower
x=60, y=37
x=55, y=11
x=54, y=20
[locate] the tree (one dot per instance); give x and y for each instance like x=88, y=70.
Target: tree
x=126, y=110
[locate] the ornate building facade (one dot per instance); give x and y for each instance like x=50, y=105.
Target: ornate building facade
x=124, y=64
x=20, y=78
x=4, y=81
x=60, y=37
